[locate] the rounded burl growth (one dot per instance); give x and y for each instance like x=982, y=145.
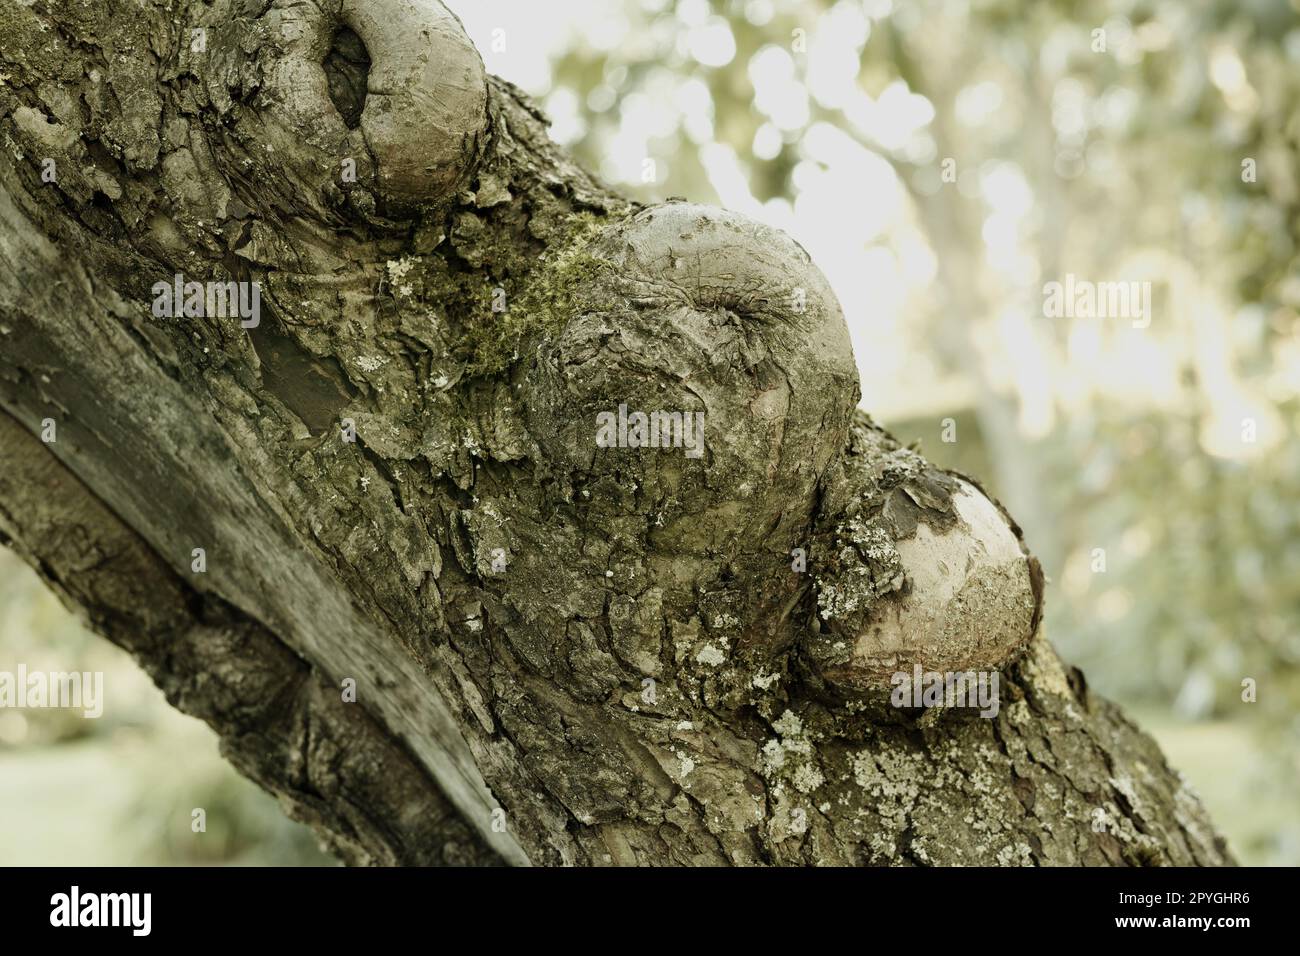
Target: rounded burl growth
x=701, y=384
x=400, y=128
x=717, y=356
x=919, y=568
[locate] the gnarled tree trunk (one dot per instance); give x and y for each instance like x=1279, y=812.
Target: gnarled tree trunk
x=379, y=532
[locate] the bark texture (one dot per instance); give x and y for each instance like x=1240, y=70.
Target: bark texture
x=564, y=653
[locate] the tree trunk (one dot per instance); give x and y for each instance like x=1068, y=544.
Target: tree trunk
x=388, y=530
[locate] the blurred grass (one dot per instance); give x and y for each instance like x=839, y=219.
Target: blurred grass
x=1230, y=765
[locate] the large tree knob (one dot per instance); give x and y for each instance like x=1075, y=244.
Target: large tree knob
x=684, y=313
x=424, y=114
x=916, y=568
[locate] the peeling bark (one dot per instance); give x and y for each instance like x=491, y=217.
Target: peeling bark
x=565, y=653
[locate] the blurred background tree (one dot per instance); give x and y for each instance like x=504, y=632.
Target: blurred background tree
x=941, y=160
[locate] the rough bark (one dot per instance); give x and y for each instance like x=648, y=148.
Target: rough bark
x=564, y=653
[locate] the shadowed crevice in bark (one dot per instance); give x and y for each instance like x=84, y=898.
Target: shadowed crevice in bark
x=347, y=68
x=313, y=387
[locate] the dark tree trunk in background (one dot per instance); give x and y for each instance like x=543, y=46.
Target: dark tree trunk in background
x=562, y=653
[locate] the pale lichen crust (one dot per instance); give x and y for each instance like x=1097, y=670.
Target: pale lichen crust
x=920, y=568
